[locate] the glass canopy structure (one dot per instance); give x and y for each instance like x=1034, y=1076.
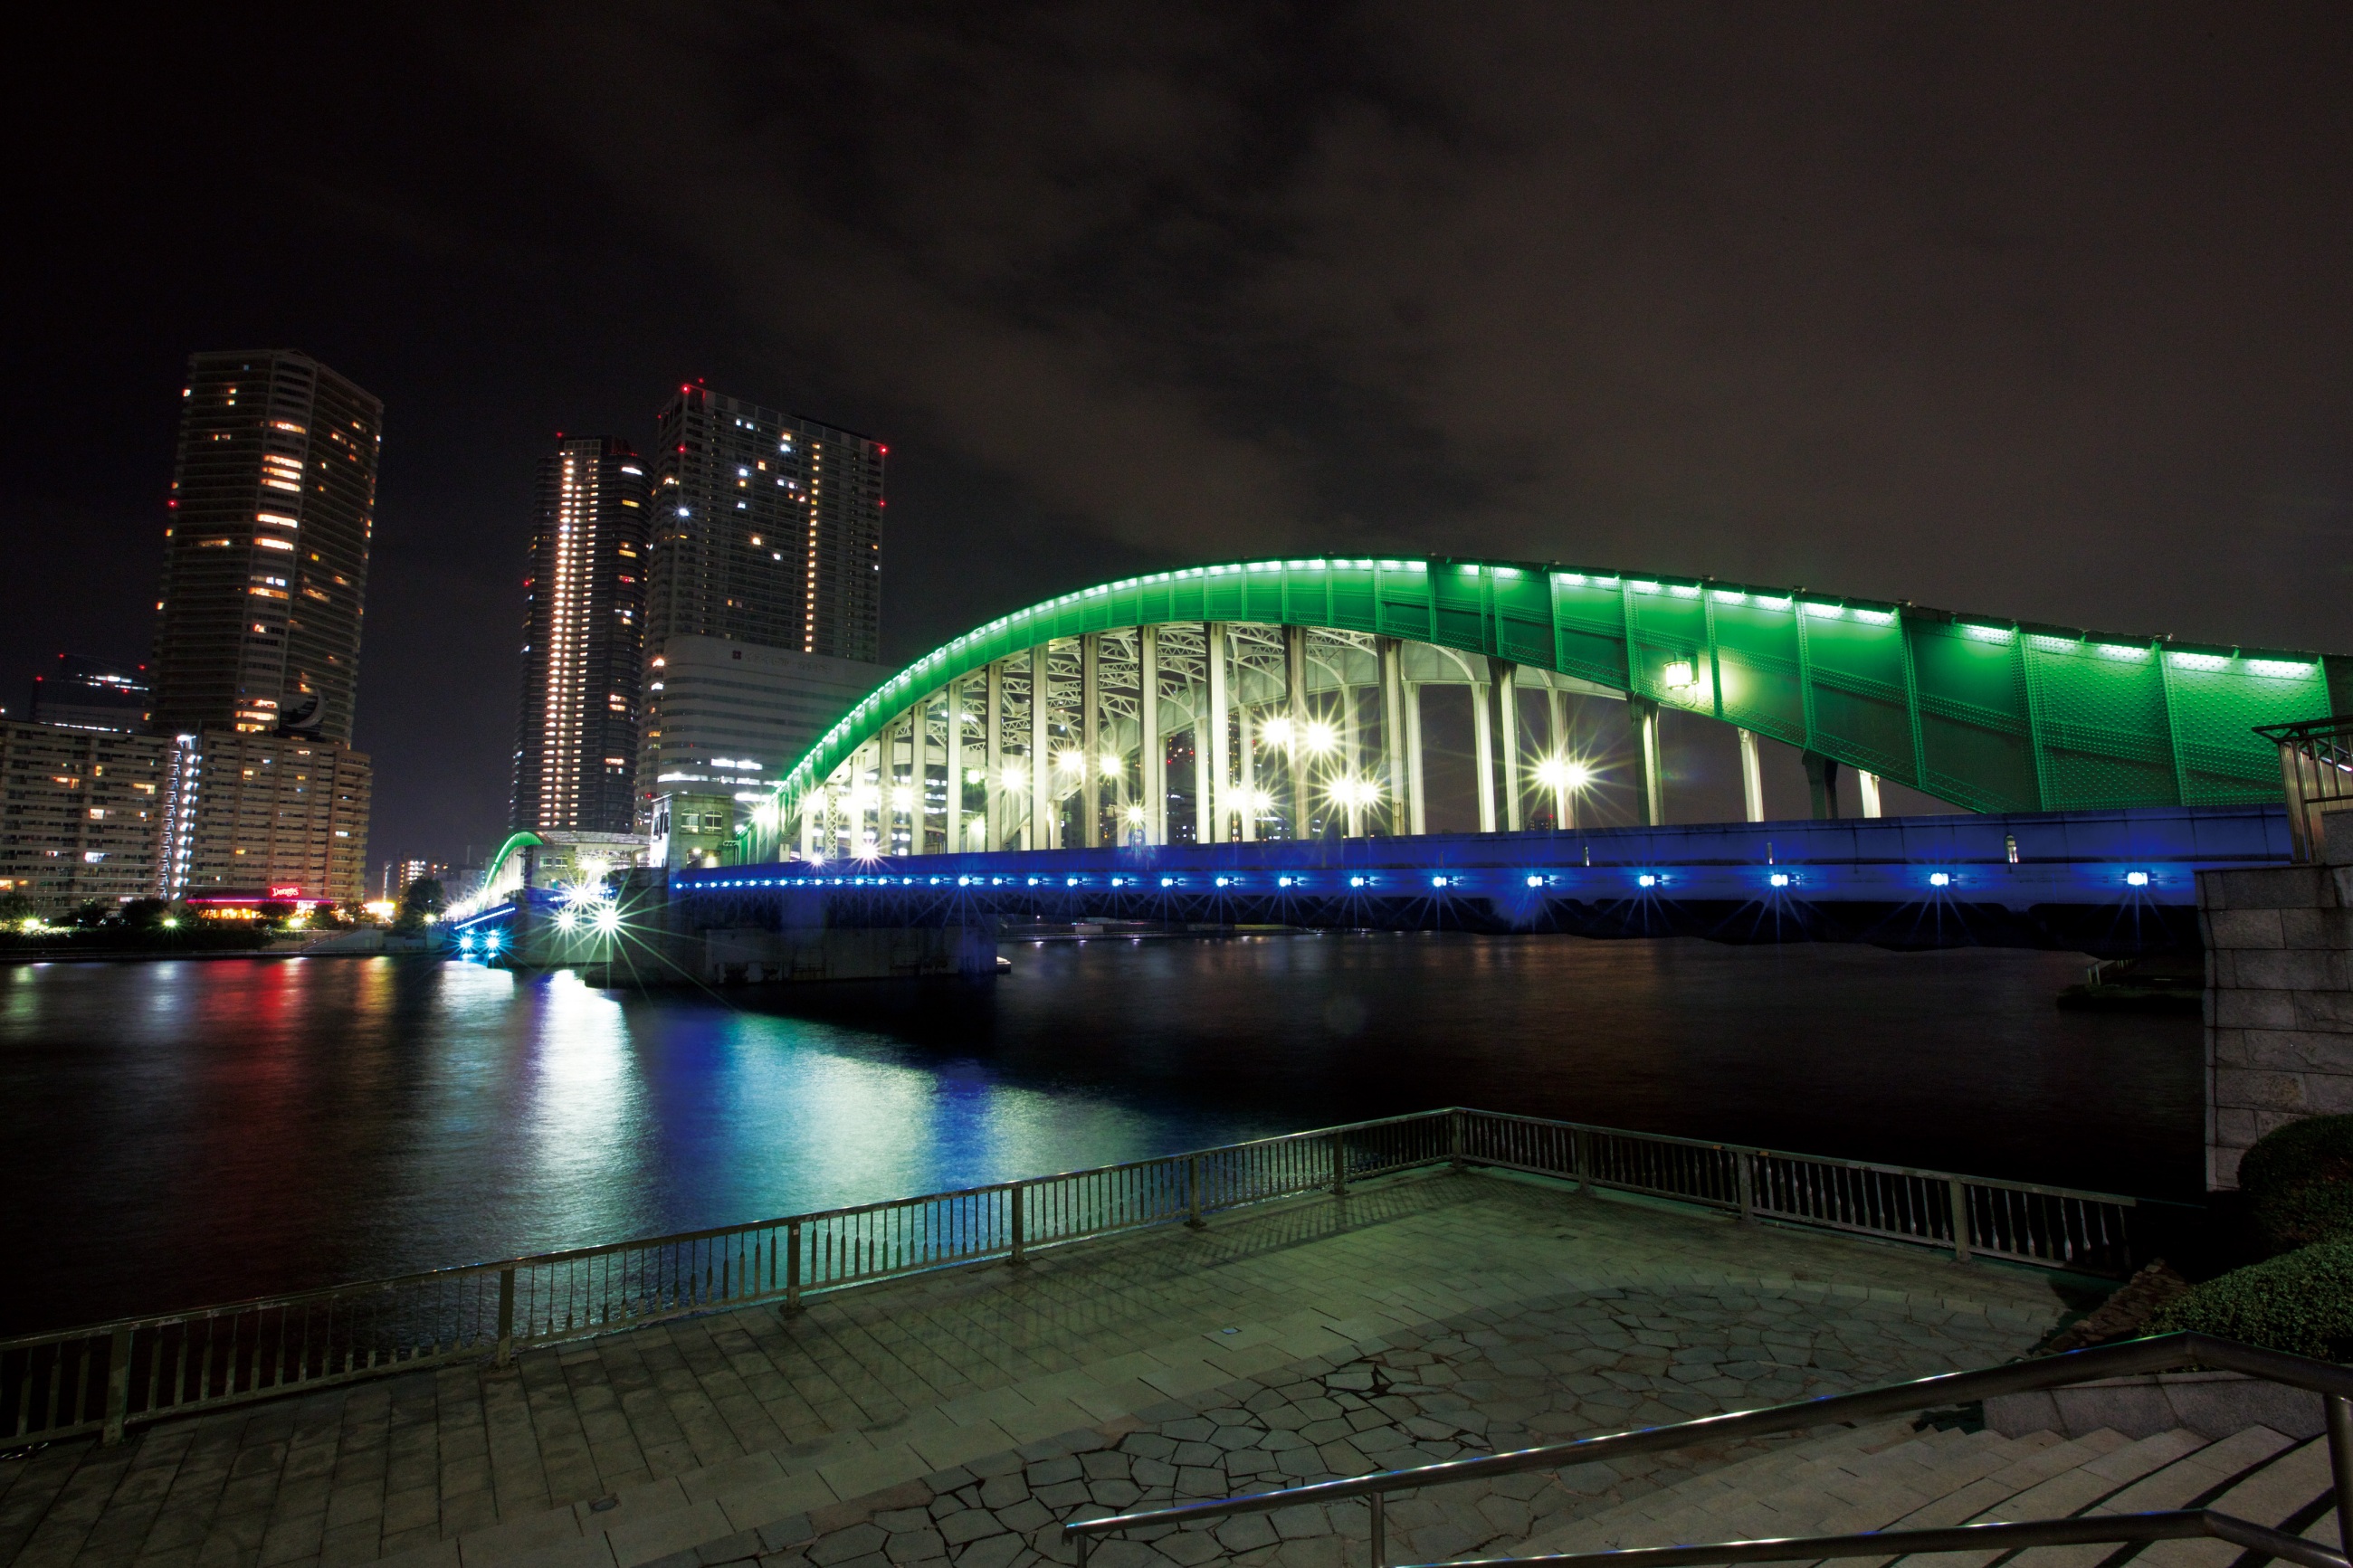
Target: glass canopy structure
x=1283, y=700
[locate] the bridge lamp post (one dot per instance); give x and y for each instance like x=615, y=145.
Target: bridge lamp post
x=1356, y=795
x=1566, y=779
x=904, y=804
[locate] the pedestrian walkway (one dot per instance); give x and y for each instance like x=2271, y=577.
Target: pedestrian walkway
x=955, y=1418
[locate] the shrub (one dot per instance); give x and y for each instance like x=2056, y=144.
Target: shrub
x=2299, y=1182
x=2301, y=1302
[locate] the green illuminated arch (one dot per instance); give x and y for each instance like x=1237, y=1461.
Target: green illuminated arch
x=1989, y=714
x=525, y=839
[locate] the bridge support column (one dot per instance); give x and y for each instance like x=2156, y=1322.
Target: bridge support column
x=1041, y=753
x=1248, y=769
x=1220, y=799
x=1352, y=753
x=1151, y=753
x=1866, y=787
x=1483, y=748
x=1643, y=714
x=1752, y=777
x=1417, y=809
x=953, y=841
x=1507, y=736
x=1294, y=693
x=908, y=730
x=1563, y=812
x=1091, y=773
x=1822, y=783
x=1390, y=652
x=995, y=806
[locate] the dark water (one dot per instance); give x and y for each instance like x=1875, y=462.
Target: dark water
x=187, y=1133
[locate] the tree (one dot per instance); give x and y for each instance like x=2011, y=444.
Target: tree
x=422, y=900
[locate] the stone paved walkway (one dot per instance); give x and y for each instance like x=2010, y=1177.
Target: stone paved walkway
x=957, y=1418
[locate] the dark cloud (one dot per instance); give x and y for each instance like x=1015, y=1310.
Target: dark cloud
x=2034, y=309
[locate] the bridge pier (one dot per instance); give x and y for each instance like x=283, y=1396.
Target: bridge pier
x=1643, y=715
x=1507, y=736
x=2279, y=1002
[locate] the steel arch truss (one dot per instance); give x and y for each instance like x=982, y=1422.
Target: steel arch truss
x=1989, y=714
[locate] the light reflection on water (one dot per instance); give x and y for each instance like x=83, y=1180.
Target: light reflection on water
x=195, y=1132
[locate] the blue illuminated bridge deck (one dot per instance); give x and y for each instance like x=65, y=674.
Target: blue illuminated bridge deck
x=2114, y=882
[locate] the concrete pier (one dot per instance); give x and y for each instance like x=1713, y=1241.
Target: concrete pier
x=2279, y=1003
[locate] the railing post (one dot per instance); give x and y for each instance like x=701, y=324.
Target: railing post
x=117, y=1386
x=1339, y=1164
x=793, y=1267
x=506, y=1317
x=1960, y=1193
x=1081, y=1544
x=1745, y=1164
x=1454, y=1142
x=1193, y=1192
x=1378, y=1502
x=1013, y=1198
x=1577, y=1145
x=2339, y=1411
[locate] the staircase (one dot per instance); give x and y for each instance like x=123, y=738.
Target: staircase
x=1889, y=1476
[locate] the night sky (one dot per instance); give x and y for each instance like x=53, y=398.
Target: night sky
x=2040, y=311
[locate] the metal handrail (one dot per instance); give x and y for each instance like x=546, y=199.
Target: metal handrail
x=99, y=1377
x=2163, y=1352
x=2170, y=1524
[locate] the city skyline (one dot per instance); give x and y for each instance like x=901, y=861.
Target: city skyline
x=2009, y=311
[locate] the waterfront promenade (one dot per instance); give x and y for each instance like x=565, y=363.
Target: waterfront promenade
x=957, y=1417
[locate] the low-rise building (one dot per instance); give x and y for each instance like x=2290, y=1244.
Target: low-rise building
x=724, y=717
x=266, y=814
x=82, y=814
x=690, y=830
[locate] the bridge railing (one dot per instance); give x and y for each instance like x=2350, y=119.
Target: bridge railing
x=100, y=1378
x=2317, y=775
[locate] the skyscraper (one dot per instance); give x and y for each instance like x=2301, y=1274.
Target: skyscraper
x=258, y=630
x=584, y=622
x=767, y=539
x=265, y=567
x=768, y=530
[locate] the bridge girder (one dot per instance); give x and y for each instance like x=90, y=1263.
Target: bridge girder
x=1989, y=714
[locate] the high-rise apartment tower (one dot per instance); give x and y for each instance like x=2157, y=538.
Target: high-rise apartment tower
x=767, y=541
x=265, y=567
x=767, y=529
x=584, y=622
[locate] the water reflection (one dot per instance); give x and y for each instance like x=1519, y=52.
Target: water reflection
x=192, y=1131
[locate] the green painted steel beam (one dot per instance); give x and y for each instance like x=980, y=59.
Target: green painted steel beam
x=1989, y=714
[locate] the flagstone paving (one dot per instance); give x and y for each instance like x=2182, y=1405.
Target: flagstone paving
x=957, y=1418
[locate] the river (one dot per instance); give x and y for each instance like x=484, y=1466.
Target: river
x=185, y=1133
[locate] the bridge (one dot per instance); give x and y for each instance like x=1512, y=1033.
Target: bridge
x=1243, y=743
